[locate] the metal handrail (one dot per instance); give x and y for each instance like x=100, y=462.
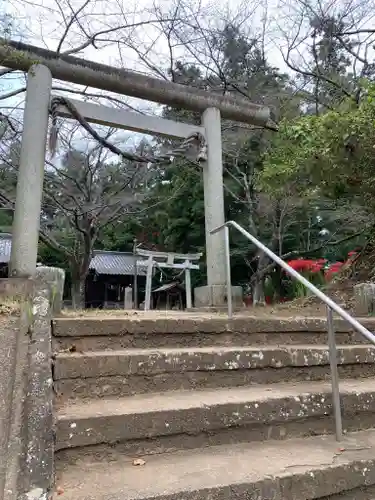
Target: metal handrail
x=331, y=306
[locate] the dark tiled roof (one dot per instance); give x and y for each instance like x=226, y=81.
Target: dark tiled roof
x=5, y=248
x=103, y=262
x=117, y=263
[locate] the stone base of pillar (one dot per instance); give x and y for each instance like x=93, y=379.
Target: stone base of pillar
x=215, y=297
x=54, y=278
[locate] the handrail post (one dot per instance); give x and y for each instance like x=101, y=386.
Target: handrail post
x=334, y=375
x=228, y=277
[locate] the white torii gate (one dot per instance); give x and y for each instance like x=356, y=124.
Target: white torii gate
x=169, y=260
x=32, y=158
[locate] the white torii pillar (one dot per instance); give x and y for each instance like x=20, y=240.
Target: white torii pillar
x=26, y=220
x=214, y=198
x=215, y=293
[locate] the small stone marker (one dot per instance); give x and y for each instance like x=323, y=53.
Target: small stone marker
x=128, y=298
x=53, y=277
x=364, y=299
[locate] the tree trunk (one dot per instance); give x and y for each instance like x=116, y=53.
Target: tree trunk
x=258, y=289
x=258, y=292
x=78, y=293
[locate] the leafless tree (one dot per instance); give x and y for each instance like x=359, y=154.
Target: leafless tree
x=84, y=192
x=329, y=46
x=101, y=30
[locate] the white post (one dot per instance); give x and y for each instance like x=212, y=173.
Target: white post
x=128, y=298
x=150, y=265
x=229, y=279
x=30, y=174
x=214, y=198
x=188, y=287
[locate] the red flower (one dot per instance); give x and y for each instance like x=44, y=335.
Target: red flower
x=333, y=269
x=336, y=266
x=304, y=265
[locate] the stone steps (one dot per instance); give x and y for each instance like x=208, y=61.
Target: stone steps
x=135, y=371
x=93, y=334
x=304, y=469
x=218, y=409
x=154, y=423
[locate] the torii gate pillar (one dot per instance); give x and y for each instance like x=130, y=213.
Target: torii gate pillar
x=215, y=293
x=25, y=232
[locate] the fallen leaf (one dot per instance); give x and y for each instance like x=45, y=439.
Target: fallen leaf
x=139, y=461
x=59, y=490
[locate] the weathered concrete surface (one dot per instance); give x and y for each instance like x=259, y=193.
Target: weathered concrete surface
x=129, y=385
x=16, y=288
x=30, y=173
x=17, y=55
x=136, y=325
x=214, y=212
x=13, y=362
x=248, y=433
x=150, y=362
x=98, y=333
x=364, y=299
x=360, y=493
x=38, y=473
x=26, y=392
x=137, y=371
x=213, y=296
x=209, y=411
x=13, y=366
x=297, y=469
x=179, y=340
x=54, y=279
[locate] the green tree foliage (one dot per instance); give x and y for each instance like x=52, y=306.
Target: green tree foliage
x=333, y=153
x=173, y=217
x=329, y=161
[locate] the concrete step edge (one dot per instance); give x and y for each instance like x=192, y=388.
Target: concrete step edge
x=193, y=412
x=185, y=324
x=304, y=468
x=128, y=362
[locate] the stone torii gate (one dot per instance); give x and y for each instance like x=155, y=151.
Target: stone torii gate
x=42, y=65
x=169, y=260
